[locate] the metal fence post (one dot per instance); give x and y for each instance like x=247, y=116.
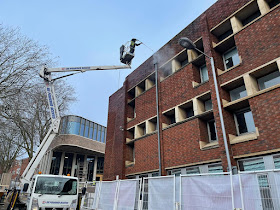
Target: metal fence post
x=241, y=191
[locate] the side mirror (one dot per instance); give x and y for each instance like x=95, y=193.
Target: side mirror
x=25, y=187
x=84, y=190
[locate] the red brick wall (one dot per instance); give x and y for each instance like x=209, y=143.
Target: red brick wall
x=257, y=44
x=18, y=168
x=266, y=112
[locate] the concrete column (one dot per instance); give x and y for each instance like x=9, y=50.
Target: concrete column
x=149, y=84
x=198, y=106
x=235, y=24
x=95, y=167
x=150, y=127
x=137, y=131
x=250, y=84
x=278, y=64
x=61, y=163
x=175, y=65
x=263, y=6
x=138, y=91
x=192, y=55
x=49, y=162
x=85, y=168
x=73, y=164
x=43, y=164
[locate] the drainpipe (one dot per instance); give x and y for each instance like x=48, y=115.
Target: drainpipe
x=157, y=103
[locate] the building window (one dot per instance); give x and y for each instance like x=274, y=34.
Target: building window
x=244, y=122
x=263, y=181
x=251, y=17
x=99, y=133
x=269, y=80
x=86, y=129
x=91, y=130
x=79, y=171
x=131, y=133
x=55, y=163
x=208, y=104
x=273, y=3
x=68, y=159
x=192, y=170
x=238, y=93
x=100, y=165
x=82, y=127
x=175, y=172
x=204, y=74
x=169, y=117
x=141, y=130
x=73, y=125
x=103, y=135
x=151, y=125
x=276, y=160
x=231, y=58
x=154, y=174
x=185, y=111
x=90, y=162
x=212, y=132
x=252, y=165
x=95, y=132
x=215, y=168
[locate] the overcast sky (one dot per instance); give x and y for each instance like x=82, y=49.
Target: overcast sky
x=90, y=33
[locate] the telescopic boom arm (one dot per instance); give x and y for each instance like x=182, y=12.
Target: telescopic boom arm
x=45, y=73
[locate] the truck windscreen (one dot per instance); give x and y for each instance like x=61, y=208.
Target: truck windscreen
x=56, y=186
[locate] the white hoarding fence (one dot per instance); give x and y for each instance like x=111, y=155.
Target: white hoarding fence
x=128, y=195
x=212, y=191
x=255, y=190
x=159, y=193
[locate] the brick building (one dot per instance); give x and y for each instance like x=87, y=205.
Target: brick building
x=243, y=37
x=18, y=167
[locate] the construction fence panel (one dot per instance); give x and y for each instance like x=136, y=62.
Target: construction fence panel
x=88, y=199
x=107, y=195
x=128, y=194
x=96, y=196
x=260, y=190
x=212, y=191
x=159, y=193
x=255, y=190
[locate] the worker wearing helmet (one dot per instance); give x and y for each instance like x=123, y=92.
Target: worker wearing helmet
x=133, y=44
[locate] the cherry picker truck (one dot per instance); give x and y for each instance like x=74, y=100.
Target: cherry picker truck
x=47, y=191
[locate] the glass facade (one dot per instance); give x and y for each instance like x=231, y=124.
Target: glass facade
x=100, y=165
x=55, y=163
x=82, y=127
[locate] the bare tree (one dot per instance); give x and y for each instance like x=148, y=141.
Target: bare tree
x=20, y=58
x=10, y=147
x=28, y=111
x=23, y=102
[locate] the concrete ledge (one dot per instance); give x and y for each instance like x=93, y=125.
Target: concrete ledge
x=129, y=163
x=243, y=138
x=204, y=145
x=77, y=141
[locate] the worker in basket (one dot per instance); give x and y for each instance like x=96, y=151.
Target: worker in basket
x=127, y=51
x=133, y=44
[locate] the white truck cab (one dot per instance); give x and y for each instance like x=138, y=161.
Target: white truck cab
x=53, y=192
